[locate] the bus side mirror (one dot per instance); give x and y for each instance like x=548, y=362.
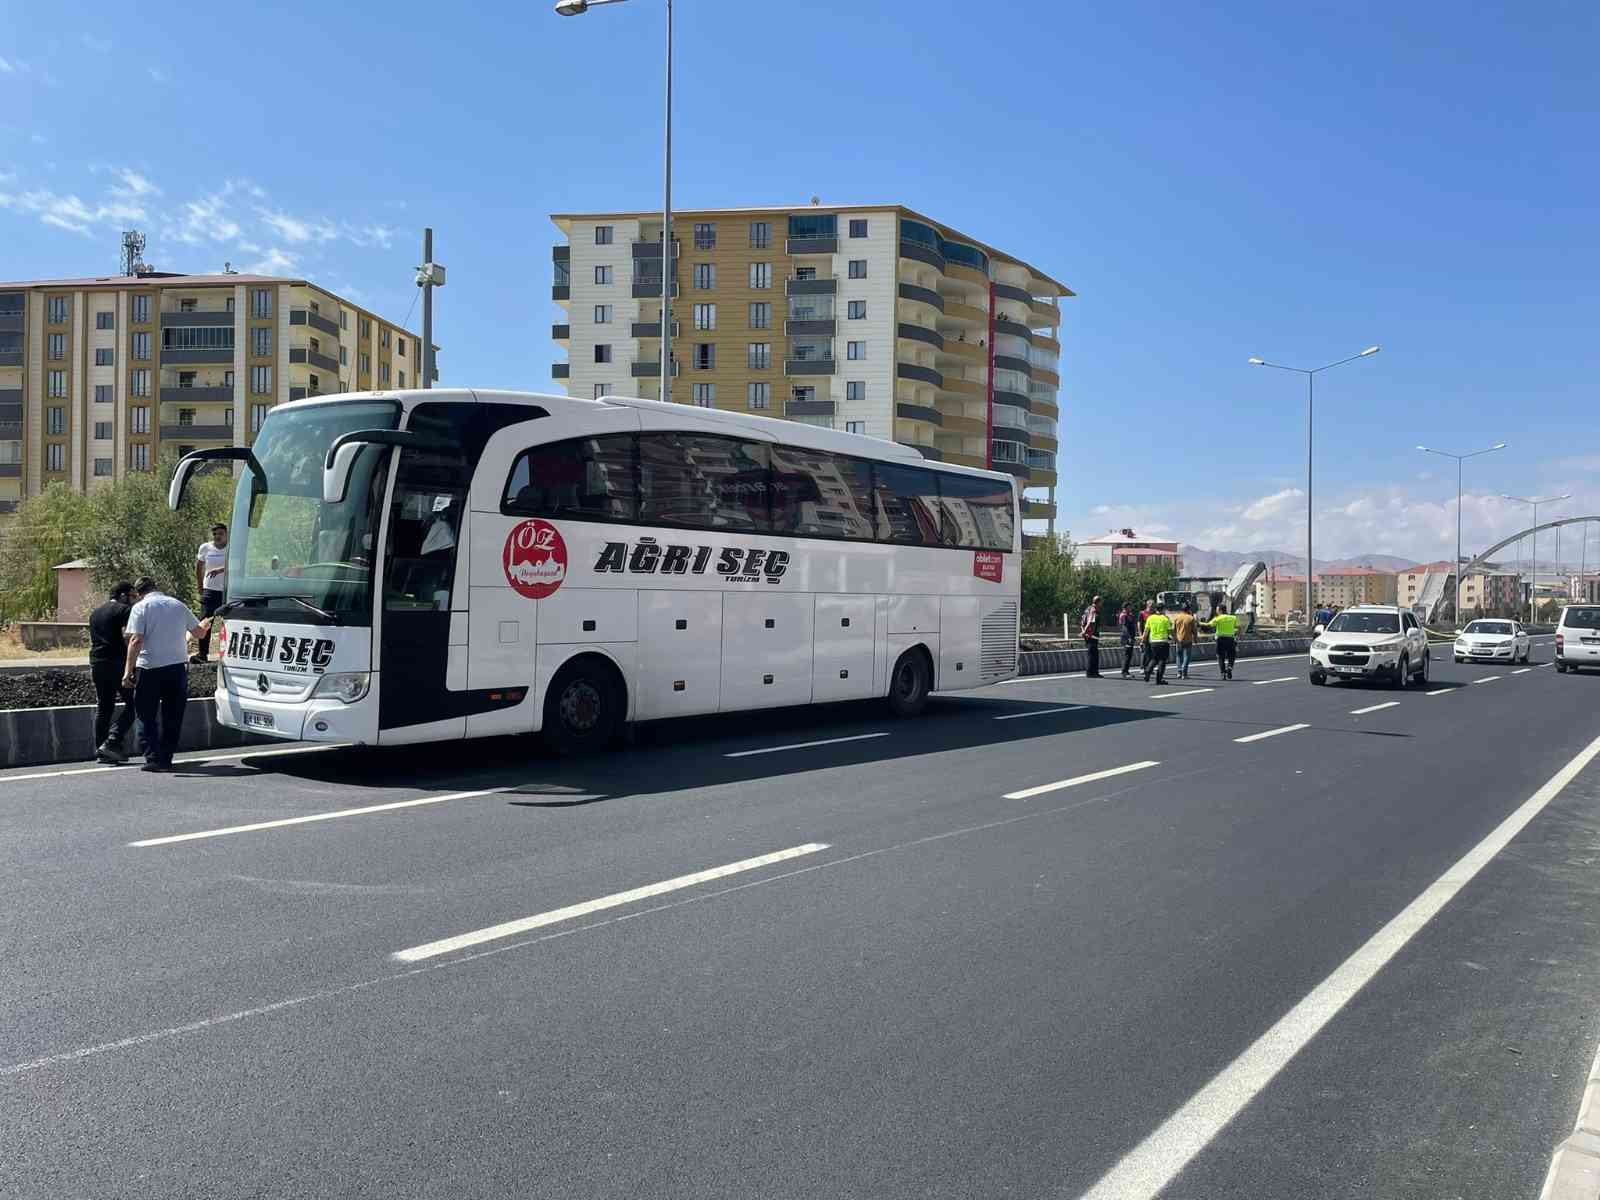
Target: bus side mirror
x=336, y=474
x=190, y=463
x=180, y=480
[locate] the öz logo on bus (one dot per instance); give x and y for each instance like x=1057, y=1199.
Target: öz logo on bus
x=535, y=559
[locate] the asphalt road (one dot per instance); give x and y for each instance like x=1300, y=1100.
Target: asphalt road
x=824, y=953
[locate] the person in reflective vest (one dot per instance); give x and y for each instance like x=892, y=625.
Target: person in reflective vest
x=1226, y=626
x=1157, y=644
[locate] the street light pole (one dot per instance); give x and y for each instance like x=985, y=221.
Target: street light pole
x=576, y=8
x=1533, y=553
x=1311, y=374
x=1460, y=458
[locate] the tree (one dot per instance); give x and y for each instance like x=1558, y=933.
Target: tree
x=131, y=531
x=1053, y=585
x=46, y=531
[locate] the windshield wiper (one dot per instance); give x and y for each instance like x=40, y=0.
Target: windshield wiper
x=243, y=601
x=330, y=618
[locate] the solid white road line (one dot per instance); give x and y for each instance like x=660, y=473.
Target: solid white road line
x=322, y=816
x=1042, y=712
x=1158, y=1160
x=616, y=899
x=1175, y=695
x=1486, y=679
x=1279, y=679
x=1256, y=737
x=857, y=737
x=1025, y=793
x=1356, y=712
x=180, y=762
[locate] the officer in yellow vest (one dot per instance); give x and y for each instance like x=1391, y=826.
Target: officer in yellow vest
x=1226, y=626
x=1157, y=644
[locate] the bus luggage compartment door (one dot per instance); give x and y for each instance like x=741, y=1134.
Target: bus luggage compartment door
x=845, y=632
x=680, y=653
x=766, y=649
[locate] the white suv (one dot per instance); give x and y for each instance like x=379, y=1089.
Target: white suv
x=1371, y=641
x=1578, y=637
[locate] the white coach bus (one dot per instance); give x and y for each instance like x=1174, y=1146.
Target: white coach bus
x=417, y=566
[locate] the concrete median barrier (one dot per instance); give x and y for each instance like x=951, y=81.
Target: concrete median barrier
x=36, y=736
x=1053, y=662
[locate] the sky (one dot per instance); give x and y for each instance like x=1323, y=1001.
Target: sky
x=1215, y=182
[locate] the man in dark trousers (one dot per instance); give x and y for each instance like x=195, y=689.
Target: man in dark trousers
x=107, y=650
x=1089, y=631
x=211, y=579
x=157, y=669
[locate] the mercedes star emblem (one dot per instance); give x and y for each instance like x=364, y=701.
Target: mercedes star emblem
x=262, y=685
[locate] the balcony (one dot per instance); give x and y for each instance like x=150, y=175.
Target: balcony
x=922, y=295
x=918, y=252
x=560, y=370
x=1007, y=327
x=304, y=316
x=312, y=358
x=651, y=329
x=197, y=433
x=562, y=333
x=812, y=287
x=811, y=326
x=918, y=412
x=561, y=291
x=649, y=288
x=10, y=470
x=917, y=333
x=653, y=249
x=11, y=322
x=9, y=506
x=196, y=317
x=1037, y=510
x=809, y=408
x=174, y=356
x=197, y=395
x=1010, y=291
x=811, y=245
x=10, y=397
x=652, y=369
x=918, y=373
x=812, y=365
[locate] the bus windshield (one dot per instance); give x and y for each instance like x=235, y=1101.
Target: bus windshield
x=288, y=552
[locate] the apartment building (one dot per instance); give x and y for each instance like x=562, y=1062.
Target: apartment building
x=867, y=319
x=1125, y=548
x=1277, y=595
x=102, y=376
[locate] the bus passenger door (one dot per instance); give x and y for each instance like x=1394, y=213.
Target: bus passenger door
x=680, y=653
x=766, y=649
x=845, y=632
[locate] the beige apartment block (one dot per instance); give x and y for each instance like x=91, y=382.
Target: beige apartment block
x=99, y=377
x=868, y=319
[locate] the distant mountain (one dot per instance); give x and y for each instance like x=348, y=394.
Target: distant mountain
x=1201, y=563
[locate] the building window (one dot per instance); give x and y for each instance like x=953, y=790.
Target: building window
x=602, y=389
x=204, y=337
x=344, y=357
x=758, y=395
x=56, y=383
x=855, y=389
x=344, y=317
x=190, y=305
x=705, y=275
x=856, y=310
x=602, y=352
x=856, y=351
x=105, y=320
x=760, y=235
x=258, y=414
x=56, y=310
x=705, y=356
x=705, y=316
x=383, y=338
x=364, y=363
x=103, y=431
x=400, y=378
x=383, y=374
x=705, y=394
x=104, y=356
x=102, y=467
x=139, y=418
x=261, y=381
x=855, y=426
x=602, y=235
x=363, y=328
x=761, y=315
x=760, y=275
x=186, y=416
x=858, y=228
x=400, y=345
x=139, y=383
x=602, y=314
x=141, y=347
x=55, y=457
x=104, y=393
x=141, y=309
x=602, y=274
x=858, y=268
x=705, y=236
x=227, y=305
x=139, y=456
x=57, y=419
x=758, y=356
x=260, y=302
x=56, y=347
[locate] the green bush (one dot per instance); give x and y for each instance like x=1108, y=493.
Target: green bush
x=46, y=531
x=1054, y=584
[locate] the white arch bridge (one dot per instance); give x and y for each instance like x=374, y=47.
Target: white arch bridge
x=1438, y=587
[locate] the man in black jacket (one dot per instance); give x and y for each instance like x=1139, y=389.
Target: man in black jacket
x=107, y=651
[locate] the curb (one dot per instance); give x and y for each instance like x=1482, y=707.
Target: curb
x=32, y=737
x=1575, y=1165
x=1052, y=662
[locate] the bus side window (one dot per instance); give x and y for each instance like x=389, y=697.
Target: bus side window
x=978, y=513
x=704, y=482
x=818, y=494
x=907, y=505
x=584, y=478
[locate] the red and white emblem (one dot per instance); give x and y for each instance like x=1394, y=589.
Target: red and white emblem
x=535, y=559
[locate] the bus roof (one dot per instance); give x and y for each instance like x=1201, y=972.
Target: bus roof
x=767, y=429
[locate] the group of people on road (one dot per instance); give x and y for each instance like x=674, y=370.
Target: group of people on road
x=139, y=658
x=1161, y=638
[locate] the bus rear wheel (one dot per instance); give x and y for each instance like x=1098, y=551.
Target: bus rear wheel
x=583, y=710
x=909, y=684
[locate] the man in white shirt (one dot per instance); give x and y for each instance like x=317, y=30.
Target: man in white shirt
x=211, y=580
x=157, y=669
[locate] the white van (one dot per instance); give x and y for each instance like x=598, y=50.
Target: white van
x=1578, y=637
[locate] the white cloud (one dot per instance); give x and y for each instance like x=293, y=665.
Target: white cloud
x=12, y=66
x=299, y=230
x=275, y=262
x=132, y=184
x=1268, y=507
x=71, y=213
x=205, y=220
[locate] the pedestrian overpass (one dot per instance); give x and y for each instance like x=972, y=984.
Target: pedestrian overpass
x=1439, y=587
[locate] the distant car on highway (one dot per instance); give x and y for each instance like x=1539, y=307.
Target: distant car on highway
x=1371, y=641
x=1486, y=640
x=1578, y=637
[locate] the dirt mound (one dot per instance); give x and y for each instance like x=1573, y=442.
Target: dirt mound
x=51, y=688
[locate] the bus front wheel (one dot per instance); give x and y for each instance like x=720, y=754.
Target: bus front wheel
x=583, y=710
x=909, y=683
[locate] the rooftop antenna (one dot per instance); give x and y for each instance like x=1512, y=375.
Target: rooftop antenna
x=133, y=253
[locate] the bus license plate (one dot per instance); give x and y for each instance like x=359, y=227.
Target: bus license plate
x=255, y=720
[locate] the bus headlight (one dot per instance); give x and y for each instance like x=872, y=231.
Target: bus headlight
x=348, y=686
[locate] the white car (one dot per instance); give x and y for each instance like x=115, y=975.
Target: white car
x=1371, y=641
x=1578, y=637
x=1486, y=641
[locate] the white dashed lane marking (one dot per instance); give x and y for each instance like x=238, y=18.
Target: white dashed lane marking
x=1256, y=737
x=1356, y=712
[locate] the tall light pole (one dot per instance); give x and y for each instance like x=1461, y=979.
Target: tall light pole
x=1460, y=458
x=576, y=8
x=1311, y=374
x=429, y=276
x=1533, y=553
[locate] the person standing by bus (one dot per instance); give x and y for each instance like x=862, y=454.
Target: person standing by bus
x=1128, y=622
x=107, y=649
x=1089, y=631
x=1157, y=644
x=1184, y=631
x=156, y=669
x=1226, y=626
x=211, y=580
